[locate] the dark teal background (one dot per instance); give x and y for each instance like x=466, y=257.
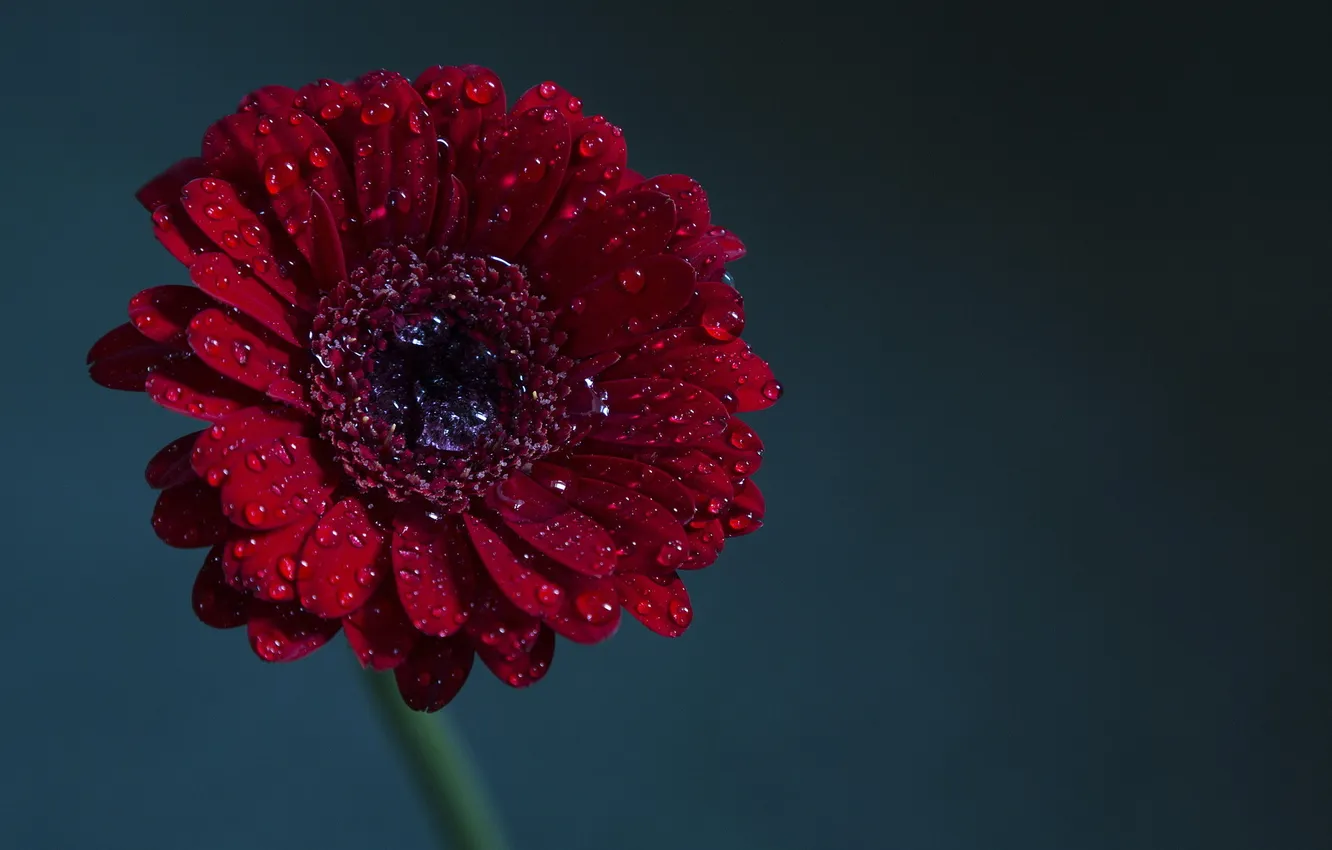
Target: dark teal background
x=1047, y=556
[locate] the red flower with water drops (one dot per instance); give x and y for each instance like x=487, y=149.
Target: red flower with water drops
x=467, y=381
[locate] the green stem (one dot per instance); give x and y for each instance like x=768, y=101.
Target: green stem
x=441, y=770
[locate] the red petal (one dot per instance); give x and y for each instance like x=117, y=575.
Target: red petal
x=552, y=526
x=264, y=564
x=640, y=300
x=217, y=210
x=659, y=602
x=379, y=632
x=657, y=412
x=499, y=626
x=394, y=160
x=341, y=564
x=522, y=166
x=435, y=671
x=172, y=227
x=524, y=667
x=582, y=608
x=124, y=358
x=188, y=386
x=554, y=96
x=706, y=540
x=512, y=572
x=245, y=356
x=450, y=228
x=276, y=482
x=460, y=100
x=436, y=570
x=215, y=451
x=710, y=252
x=188, y=516
x=728, y=370
x=629, y=179
x=324, y=246
x=286, y=156
x=598, y=159
x=648, y=537
x=746, y=514
x=630, y=228
x=217, y=604
x=165, y=187
x=739, y=450
x=170, y=467
x=691, y=203
x=700, y=475
x=648, y=480
x=219, y=276
x=162, y=313
x=589, y=609
x=286, y=633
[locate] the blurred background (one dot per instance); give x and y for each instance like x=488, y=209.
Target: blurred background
x=1046, y=562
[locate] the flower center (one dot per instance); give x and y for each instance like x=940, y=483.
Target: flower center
x=438, y=385
x=437, y=376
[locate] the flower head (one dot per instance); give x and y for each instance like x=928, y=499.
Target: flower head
x=468, y=382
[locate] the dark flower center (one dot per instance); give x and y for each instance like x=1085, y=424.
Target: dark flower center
x=437, y=376
x=438, y=385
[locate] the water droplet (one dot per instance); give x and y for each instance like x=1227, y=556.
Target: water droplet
x=252, y=233
x=418, y=120
x=326, y=536
x=549, y=595
x=681, y=613
x=742, y=521
x=772, y=390
x=574, y=105
x=595, y=606
x=281, y=172
x=287, y=567
x=376, y=113
x=254, y=513
x=548, y=90
x=330, y=111
x=254, y=462
x=366, y=576
x=590, y=144
x=672, y=552
x=319, y=155
x=632, y=281
x=480, y=90
x=723, y=323
x=578, y=305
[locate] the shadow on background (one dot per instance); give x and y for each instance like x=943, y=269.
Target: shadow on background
x=1046, y=563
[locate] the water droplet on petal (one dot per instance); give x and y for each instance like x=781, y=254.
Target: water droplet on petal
x=281, y=172
x=632, y=281
x=480, y=90
x=376, y=113
x=549, y=595
x=681, y=613
x=595, y=606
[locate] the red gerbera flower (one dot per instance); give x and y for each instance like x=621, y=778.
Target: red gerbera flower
x=470, y=381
